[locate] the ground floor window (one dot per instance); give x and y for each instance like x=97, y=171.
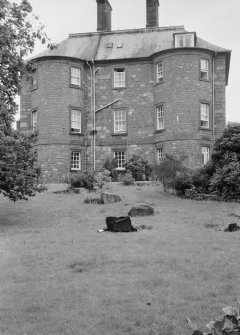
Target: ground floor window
x=205, y=155
x=160, y=155
x=75, y=160
x=120, y=156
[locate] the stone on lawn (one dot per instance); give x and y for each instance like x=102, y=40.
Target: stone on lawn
x=109, y=198
x=141, y=210
x=231, y=227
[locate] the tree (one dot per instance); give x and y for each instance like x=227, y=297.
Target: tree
x=139, y=168
x=19, y=30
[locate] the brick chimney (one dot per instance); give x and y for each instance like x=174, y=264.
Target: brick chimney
x=152, y=13
x=104, y=15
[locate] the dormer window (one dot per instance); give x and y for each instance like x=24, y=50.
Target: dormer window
x=184, y=40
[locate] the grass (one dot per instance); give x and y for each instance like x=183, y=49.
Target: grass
x=59, y=276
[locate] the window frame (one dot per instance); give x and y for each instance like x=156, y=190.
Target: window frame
x=203, y=156
x=157, y=118
x=201, y=70
x=70, y=76
x=160, y=159
x=117, y=132
x=76, y=151
x=176, y=35
x=159, y=78
x=34, y=128
x=208, y=127
x=72, y=132
x=117, y=151
x=113, y=80
x=34, y=78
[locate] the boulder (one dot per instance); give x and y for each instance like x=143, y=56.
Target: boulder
x=109, y=198
x=231, y=227
x=141, y=210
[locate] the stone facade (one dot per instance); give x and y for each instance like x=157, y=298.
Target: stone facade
x=48, y=92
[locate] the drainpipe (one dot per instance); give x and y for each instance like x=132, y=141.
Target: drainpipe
x=213, y=93
x=91, y=73
x=94, y=116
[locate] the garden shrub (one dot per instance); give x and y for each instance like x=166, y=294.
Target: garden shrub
x=84, y=179
x=201, y=178
x=128, y=179
x=101, y=178
x=139, y=168
x=111, y=164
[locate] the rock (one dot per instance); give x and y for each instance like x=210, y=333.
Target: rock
x=119, y=224
x=109, y=198
x=231, y=227
x=141, y=210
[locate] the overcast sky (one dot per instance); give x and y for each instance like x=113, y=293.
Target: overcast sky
x=217, y=21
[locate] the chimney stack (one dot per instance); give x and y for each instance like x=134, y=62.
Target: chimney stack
x=104, y=15
x=152, y=13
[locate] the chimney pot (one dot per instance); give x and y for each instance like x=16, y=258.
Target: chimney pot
x=104, y=15
x=152, y=13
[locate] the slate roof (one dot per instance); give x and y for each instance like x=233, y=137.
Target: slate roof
x=123, y=44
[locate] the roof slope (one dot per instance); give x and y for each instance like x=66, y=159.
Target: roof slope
x=122, y=44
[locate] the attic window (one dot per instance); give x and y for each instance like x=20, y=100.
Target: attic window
x=109, y=45
x=120, y=45
x=185, y=40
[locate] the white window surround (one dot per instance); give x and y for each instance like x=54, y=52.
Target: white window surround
x=119, y=77
x=160, y=155
x=185, y=40
x=160, y=72
x=160, y=117
x=76, y=122
x=34, y=121
x=120, y=121
x=204, y=69
x=120, y=156
x=205, y=155
x=204, y=117
x=75, y=76
x=76, y=160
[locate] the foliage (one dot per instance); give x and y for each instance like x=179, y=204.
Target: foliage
x=228, y=143
x=139, y=168
x=227, y=324
x=89, y=179
x=226, y=179
x=201, y=178
x=18, y=32
x=19, y=173
x=171, y=171
x=101, y=178
x=111, y=165
x=183, y=182
x=128, y=179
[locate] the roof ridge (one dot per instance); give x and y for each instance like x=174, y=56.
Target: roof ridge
x=128, y=31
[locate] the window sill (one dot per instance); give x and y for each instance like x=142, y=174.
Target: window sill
x=75, y=86
x=207, y=129
x=119, y=134
x=119, y=88
x=159, y=130
x=120, y=169
x=206, y=80
x=73, y=133
x=159, y=83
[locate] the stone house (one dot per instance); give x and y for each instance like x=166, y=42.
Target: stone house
x=105, y=94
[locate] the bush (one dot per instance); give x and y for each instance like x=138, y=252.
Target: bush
x=84, y=179
x=111, y=165
x=101, y=178
x=128, y=179
x=171, y=172
x=139, y=168
x=183, y=182
x=201, y=178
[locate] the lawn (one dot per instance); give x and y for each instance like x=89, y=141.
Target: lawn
x=58, y=275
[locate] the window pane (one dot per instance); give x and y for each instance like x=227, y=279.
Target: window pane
x=75, y=76
x=160, y=155
x=204, y=72
x=120, y=157
x=119, y=78
x=205, y=155
x=160, y=117
x=204, y=115
x=34, y=121
x=76, y=160
x=120, y=121
x=184, y=40
x=159, y=72
x=76, y=120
